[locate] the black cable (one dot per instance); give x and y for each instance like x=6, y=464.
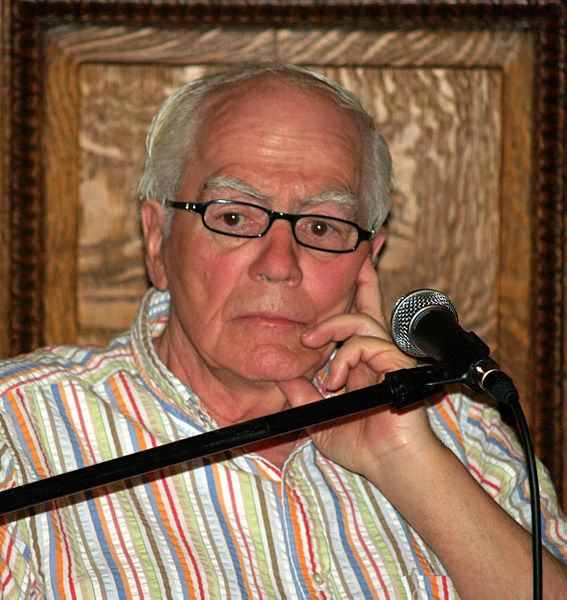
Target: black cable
x=486, y=376
x=500, y=387
x=534, y=497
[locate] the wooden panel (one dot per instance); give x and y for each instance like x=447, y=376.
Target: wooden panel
x=443, y=127
x=117, y=107
x=61, y=196
x=442, y=237
x=417, y=47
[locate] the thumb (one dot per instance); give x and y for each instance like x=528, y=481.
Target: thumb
x=299, y=391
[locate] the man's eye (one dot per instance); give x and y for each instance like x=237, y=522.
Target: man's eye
x=321, y=228
x=232, y=219
x=239, y=220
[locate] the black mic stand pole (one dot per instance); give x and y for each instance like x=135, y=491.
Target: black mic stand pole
x=399, y=389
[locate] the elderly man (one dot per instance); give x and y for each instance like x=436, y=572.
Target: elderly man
x=262, y=201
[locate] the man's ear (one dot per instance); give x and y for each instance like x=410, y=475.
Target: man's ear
x=377, y=243
x=152, y=214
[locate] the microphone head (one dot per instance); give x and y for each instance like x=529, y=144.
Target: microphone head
x=406, y=309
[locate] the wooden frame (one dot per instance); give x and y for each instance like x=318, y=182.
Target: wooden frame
x=25, y=28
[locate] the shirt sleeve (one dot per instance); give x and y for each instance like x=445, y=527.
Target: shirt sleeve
x=495, y=458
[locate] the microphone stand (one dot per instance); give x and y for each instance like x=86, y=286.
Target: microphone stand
x=399, y=389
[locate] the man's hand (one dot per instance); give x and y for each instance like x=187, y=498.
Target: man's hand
x=482, y=548
x=366, y=443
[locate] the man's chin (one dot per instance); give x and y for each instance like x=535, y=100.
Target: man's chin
x=274, y=362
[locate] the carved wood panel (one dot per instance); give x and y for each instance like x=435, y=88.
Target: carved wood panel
x=471, y=100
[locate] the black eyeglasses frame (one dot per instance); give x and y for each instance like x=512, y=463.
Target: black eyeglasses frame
x=273, y=215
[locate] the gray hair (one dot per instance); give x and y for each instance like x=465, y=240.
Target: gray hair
x=176, y=125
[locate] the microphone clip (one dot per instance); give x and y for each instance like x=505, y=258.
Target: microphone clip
x=409, y=386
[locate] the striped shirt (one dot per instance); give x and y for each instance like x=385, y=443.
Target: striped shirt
x=229, y=526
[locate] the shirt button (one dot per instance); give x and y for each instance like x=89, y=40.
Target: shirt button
x=318, y=578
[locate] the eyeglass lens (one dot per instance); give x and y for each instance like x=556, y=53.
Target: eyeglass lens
x=244, y=220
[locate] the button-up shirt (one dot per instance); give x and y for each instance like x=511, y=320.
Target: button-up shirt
x=227, y=526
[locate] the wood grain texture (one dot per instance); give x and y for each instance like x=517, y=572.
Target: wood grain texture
x=164, y=46
x=61, y=129
x=433, y=142
x=443, y=127
x=118, y=105
x=418, y=47
x=515, y=282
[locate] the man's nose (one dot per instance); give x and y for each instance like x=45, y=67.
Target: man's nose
x=277, y=258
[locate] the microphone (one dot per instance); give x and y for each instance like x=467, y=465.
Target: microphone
x=425, y=324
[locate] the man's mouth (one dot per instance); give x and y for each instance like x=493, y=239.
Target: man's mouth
x=271, y=320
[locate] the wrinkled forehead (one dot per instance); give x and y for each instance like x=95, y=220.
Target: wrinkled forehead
x=263, y=86
x=266, y=110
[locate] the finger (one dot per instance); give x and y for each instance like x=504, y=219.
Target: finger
x=299, y=391
x=379, y=356
x=341, y=327
x=368, y=297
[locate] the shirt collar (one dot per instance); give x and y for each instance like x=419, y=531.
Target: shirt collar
x=150, y=322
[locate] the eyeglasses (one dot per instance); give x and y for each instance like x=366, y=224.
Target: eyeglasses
x=243, y=220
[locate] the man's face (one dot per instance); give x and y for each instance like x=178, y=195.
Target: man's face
x=239, y=306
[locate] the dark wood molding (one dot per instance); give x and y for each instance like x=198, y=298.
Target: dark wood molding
x=548, y=260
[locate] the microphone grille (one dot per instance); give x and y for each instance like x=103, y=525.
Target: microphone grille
x=405, y=310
